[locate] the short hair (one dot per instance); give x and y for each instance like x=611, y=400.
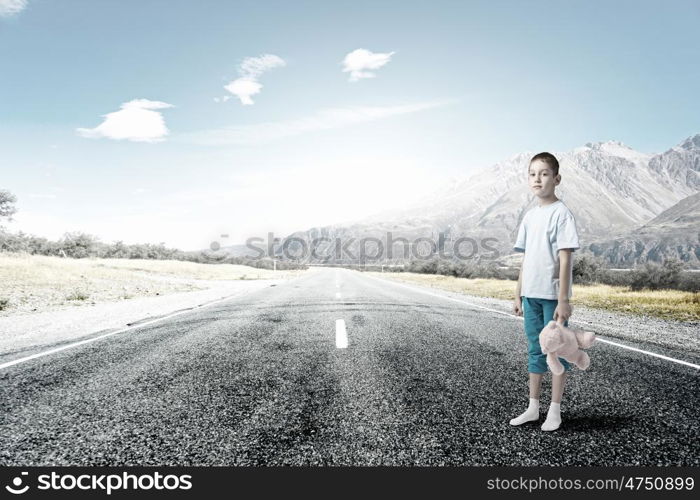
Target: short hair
x=549, y=159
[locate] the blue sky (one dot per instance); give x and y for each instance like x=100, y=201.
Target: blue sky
x=456, y=85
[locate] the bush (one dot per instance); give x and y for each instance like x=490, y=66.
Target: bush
x=588, y=269
x=77, y=295
x=491, y=270
x=615, y=277
x=458, y=269
x=4, y=303
x=689, y=282
x=657, y=276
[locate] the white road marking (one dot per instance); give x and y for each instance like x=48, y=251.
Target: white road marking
x=341, y=335
x=598, y=337
x=679, y=361
x=100, y=337
x=337, y=295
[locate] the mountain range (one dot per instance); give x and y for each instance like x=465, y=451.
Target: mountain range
x=630, y=207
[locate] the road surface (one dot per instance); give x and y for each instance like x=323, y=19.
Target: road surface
x=260, y=379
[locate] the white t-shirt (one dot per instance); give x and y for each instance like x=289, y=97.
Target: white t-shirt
x=542, y=233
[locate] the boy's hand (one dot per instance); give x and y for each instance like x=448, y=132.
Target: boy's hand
x=517, y=306
x=562, y=312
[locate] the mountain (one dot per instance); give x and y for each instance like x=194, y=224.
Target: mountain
x=612, y=190
x=674, y=233
x=684, y=216
x=680, y=164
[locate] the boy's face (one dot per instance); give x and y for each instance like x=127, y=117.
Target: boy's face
x=541, y=179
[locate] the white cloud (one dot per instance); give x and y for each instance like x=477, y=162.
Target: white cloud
x=250, y=70
x=243, y=88
x=323, y=119
x=11, y=7
x=135, y=121
x=253, y=67
x=359, y=61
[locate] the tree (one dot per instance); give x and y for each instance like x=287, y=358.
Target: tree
x=587, y=269
x=7, y=204
x=79, y=245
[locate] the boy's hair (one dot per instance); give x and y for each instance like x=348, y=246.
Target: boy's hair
x=549, y=159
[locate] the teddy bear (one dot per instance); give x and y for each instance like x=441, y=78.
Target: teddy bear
x=558, y=341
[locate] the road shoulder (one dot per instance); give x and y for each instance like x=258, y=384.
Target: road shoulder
x=23, y=332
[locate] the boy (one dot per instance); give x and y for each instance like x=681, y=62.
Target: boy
x=547, y=236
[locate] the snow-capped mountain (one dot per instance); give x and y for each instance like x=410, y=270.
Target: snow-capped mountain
x=611, y=189
x=680, y=164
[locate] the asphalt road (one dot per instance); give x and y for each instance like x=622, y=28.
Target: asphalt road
x=259, y=380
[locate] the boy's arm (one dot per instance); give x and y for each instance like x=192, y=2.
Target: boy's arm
x=517, y=302
x=563, y=309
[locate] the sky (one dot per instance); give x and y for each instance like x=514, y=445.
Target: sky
x=178, y=121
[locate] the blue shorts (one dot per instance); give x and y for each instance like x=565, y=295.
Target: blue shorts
x=537, y=313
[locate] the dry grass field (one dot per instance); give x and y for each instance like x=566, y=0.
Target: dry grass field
x=33, y=283
x=665, y=304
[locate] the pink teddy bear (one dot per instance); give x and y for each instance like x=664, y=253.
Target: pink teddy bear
x=558, y=341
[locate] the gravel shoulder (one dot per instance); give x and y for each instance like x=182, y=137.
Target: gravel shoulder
x=22, y=333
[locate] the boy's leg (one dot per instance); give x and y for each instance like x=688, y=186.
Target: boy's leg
x=534, y=321
x=532, y=314
x=558, y=382
x=535, y=385
x=553, y=420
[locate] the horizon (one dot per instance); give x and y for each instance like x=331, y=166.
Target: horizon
x=176, y=123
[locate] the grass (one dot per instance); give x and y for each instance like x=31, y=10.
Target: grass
x=77, y=295
x=36, y=282
x=192, y=270
x=666, y=304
